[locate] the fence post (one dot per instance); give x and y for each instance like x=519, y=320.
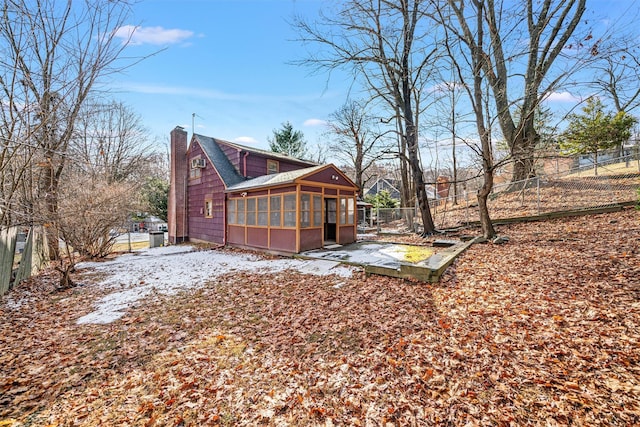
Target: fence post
x=538, y=191
x=378, y=219
x=370, y=218
x=8, y=239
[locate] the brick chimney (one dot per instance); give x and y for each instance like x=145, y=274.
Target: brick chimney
x=177, y=204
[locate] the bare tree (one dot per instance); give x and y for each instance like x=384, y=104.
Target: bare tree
x=110, y=160
x=390, y=46
x=450, y=117
x=110, y=142
x=54, y=53
x=90, y=208
x=618, y=77
x=356, y=139
x=519, y=73
x=16, y=159
x=465, y=48
x=17, y=150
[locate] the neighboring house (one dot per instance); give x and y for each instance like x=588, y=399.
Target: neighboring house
x=389, y=185
x=149, y=223
x=229, y=194
x=153, y=223
x=588, y=160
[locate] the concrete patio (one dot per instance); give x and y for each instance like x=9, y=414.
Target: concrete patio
x=423, y=263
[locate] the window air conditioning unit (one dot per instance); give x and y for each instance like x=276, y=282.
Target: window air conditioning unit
x=197, y=163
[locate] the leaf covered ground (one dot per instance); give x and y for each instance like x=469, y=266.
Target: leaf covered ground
x=543, y=330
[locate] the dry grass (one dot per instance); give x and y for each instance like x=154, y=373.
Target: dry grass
x=622, y=168
x=551, y=195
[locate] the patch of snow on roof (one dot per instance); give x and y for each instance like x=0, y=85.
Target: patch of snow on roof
x=170, y=269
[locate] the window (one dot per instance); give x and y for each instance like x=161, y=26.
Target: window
x=310, y=210
x=231, y=212
x=305, y=210
x=263, y=211
x=273, y=166
x=251, y=211
x=347, y=208
x=275, y=204
x=208, y=208
x=289, y=210
x=343, y=210
x=282, y=210
x=317, y=210
x=240, y=212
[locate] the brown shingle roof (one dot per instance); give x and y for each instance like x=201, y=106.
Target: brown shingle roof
x=274, y=179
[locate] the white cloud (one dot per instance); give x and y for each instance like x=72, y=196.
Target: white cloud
x=315, y=122
x=182, y=90
x=136, y=35
x=562, y=97
x=202, y=92
x=246, y=140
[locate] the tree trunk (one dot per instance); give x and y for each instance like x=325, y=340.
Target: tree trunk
x=522, y=169
x=453, y=152
x=420, y=189
x=407, y=185
x=405, y=179
x=523, y=152
x=358, y=182
x=48, y=191
x=425, y=210
x=485, y=220
x=65, y=277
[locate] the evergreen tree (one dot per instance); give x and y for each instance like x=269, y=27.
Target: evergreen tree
x=595, y=129
x=382, y=200
x=288, y=141
x=156, y=193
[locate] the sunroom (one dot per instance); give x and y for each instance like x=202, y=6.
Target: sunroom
x=294, y=211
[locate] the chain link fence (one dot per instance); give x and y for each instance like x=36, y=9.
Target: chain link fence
x=611, y=182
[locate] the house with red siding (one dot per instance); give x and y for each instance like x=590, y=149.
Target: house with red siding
x=229, y=194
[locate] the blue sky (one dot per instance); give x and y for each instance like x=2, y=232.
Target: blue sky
x=229, y=62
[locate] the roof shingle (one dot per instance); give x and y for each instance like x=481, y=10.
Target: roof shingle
x=228, y=173
x=274, y=179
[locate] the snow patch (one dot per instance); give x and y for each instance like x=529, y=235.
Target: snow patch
x=170, y=269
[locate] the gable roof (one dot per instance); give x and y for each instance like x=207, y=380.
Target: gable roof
x=266, y=153
x=283, y=178
x=275, y=179
x=225, y=169
x=227, y=172
x=383, y=184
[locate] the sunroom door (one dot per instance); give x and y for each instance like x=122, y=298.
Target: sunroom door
x=330, y=219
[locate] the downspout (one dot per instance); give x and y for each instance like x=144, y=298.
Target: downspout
x=224, y=220
x=244, y=163
x=185, y=220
